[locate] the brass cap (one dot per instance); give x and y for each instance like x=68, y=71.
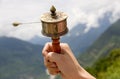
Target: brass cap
x=53, y=16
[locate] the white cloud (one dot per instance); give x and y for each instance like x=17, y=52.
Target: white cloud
x=79, y=11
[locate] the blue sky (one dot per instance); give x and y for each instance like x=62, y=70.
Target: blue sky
x=79, y=11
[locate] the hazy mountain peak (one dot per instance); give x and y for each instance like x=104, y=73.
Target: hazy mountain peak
x=109, y=40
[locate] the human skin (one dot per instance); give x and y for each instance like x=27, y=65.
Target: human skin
x=64, y=63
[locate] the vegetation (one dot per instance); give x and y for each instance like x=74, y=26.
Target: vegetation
x=108, y=67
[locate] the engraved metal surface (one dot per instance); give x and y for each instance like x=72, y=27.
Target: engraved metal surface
x=54, y=23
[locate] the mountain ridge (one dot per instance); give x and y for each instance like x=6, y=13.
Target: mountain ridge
x=20, y=60
x=109, y=40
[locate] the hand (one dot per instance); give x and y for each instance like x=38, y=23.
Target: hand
x=64, y=63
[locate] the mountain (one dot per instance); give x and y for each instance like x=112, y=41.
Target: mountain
x=80, y=41
x=39, y=40
x=109, y=40
x=20, y=60
x=77, y=39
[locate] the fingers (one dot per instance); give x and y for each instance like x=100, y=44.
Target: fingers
x=49, y=64
x=52, y=67
x=47, y=48
x=53, y=71
x=51, y=57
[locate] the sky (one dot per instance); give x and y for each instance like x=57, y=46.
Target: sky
x=78, y=11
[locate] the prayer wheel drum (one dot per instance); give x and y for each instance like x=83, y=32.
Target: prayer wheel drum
x=54, y=24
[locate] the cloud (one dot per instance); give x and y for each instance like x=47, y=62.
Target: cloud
x=79, y=11
x=92, y=11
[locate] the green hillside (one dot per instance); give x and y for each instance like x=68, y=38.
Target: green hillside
x=108, y=67
x=109, y=40
x=20, y=60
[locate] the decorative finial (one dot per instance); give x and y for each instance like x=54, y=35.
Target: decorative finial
x=53, y=13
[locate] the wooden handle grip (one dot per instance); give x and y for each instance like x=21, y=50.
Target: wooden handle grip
x=56, y=45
